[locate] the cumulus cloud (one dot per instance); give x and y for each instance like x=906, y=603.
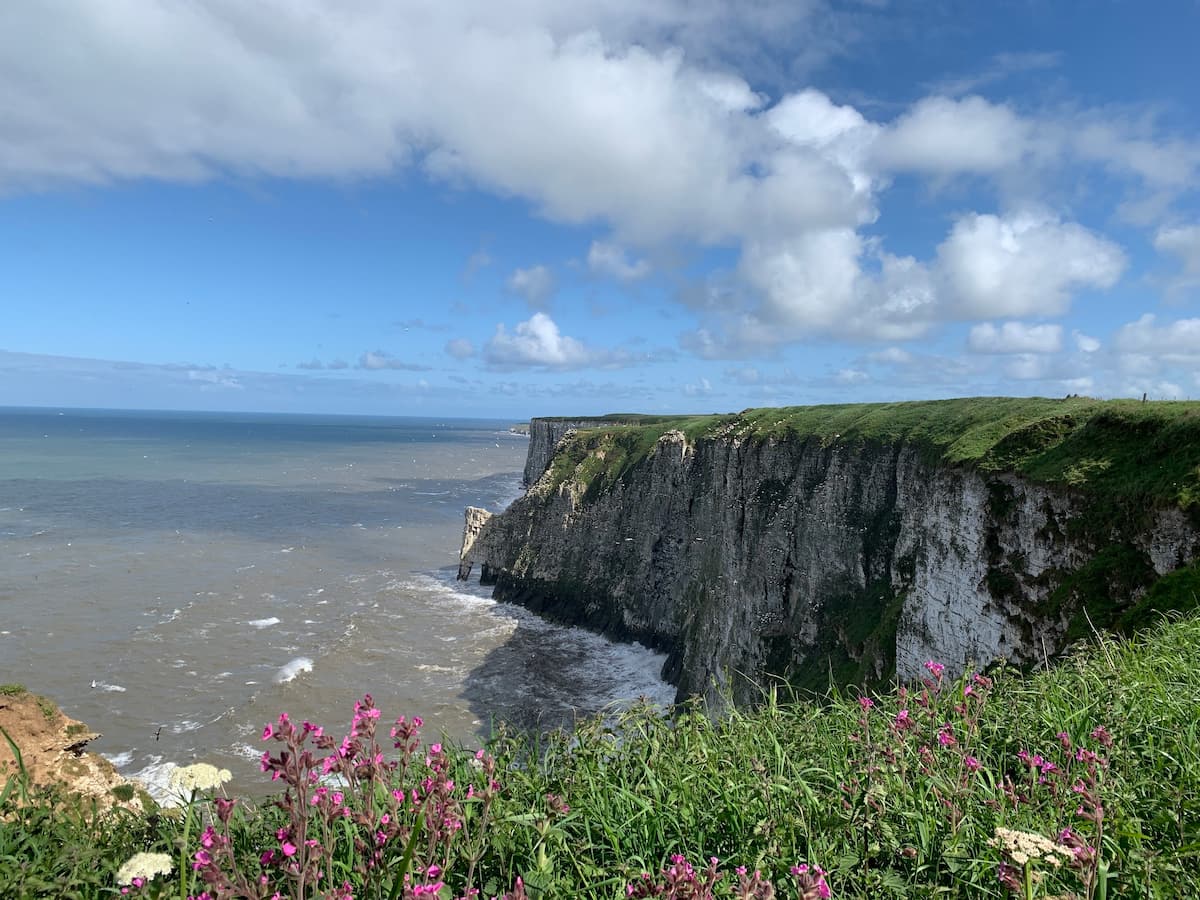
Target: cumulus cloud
x=376, y=360
x=1175, y=342
x=535, y=284
x=1085, y=343
x=836, y=282
x=537, y=342
x=1015, y=337
x=945, y=136
x=611, y=261
x=638, y=117
x=701, y=388
x=1022, y=265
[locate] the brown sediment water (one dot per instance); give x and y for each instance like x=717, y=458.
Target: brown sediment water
x=177, y=580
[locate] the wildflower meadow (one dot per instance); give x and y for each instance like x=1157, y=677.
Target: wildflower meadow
x=1081, y=781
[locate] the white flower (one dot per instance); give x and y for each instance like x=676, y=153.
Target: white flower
x=198, y=777
x=145, y=865
x=1022, y=846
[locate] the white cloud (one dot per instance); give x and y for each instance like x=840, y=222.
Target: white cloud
x=1085, y=343
x=1027, y=367
x=537, y=342
x=1130, y=147
x=1177, y=342
x=460, y=348
x=1023, y=265
x=851, y=376
x=638, y=117
x=702, y=388
x=611, y=261
x=818, y=282
x=1182, y=242
x=377, y=360
x=210, y=379
x=1015, y=337
x=945, y=136
x=535, y=284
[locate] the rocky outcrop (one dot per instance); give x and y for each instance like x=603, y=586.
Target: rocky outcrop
x=476, y=518
x=802, y=557
x=52, y=748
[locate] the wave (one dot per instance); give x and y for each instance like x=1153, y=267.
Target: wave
x=264, y=623
x=156, y=776
x=295, y=667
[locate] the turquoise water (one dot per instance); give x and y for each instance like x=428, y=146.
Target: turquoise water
x=178, y=579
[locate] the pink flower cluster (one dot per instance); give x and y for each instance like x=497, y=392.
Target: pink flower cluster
x=347, y=790
x=680, y=880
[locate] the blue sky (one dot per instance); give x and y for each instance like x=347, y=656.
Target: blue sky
x=470, y=208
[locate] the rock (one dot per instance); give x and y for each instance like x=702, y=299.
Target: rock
x=476, y=518
x=52, y=747
x=745, y=558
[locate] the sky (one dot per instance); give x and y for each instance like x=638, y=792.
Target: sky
x=470, y=208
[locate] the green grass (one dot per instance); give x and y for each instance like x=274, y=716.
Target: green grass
x=11, y=690
x=825, y=782
x=1122, y=451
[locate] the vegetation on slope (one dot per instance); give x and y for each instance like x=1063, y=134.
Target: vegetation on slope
x=928, y=791
x=1120, y=450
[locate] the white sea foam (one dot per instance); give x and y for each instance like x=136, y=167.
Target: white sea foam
x=156, y=776
x=464, y=594
x=110, y=688
x=247, y=752
x=293, y=668
x=119, y=759
x=185, y=726
x=264, y=623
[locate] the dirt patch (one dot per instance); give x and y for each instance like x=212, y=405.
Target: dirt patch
x=52, y=747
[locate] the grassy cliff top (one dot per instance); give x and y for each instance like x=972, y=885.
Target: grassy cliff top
x=1121, y=449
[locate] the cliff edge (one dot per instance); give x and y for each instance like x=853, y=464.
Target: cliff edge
x=852, y=542
x=52, y=750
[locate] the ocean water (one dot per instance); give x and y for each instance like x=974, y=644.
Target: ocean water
x=176, y=580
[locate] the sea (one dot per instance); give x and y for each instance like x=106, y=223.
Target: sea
x=177, y=580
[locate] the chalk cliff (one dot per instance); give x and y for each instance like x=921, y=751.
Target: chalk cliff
x=852, y=541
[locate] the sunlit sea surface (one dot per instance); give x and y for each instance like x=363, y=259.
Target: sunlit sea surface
x=176, y=580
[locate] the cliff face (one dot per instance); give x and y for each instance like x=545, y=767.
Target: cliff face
x=803, y=556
